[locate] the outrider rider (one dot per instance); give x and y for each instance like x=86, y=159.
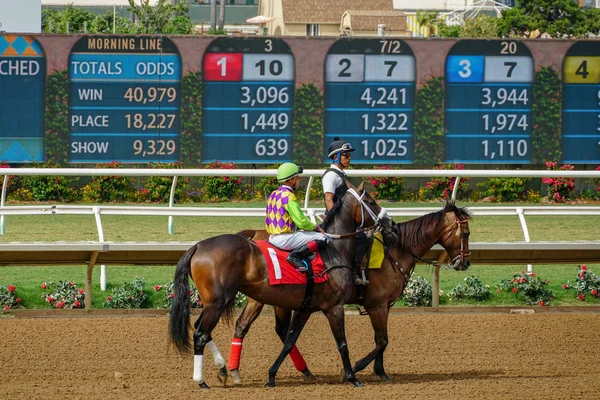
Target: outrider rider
x=285, y=218
x=334, y=188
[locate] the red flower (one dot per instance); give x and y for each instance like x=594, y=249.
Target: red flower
x=583, y=267
x=547, y=281
x=172, y=295
x=49, y=299
x=515, y=290
x=18, y=300
x=77, y=304
x=541, y=303
x=7, y=307
x=81, y=291
x=109, y=298
x=11, y=288
x=532, y=275
x=70, y=283
x=565, y=286
x=44, y=285
x=581, y=297
x=594, y=292
x=156, y=288
x=60, y=304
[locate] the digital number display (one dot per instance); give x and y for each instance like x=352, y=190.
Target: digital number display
x=22, y=92
x=581, y=104
x=369, y=99
x=125, y=99
x=248, y=98
x=488, y=102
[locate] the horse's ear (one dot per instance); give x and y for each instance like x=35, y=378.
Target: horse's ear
x=359, y=189
x=349, y=184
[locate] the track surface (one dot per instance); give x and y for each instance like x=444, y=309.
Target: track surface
x=450, y=356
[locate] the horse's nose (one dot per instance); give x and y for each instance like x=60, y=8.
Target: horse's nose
x=466, y=265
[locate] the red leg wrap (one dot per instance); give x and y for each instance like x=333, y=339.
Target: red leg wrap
x=297, y=359
x=235, y=354
x=312, y=246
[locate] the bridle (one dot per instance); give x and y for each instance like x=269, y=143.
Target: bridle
x=363, y=206
x=464, y=245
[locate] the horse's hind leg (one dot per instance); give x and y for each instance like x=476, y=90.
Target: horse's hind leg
x=335, y=316
x=282, y=325
x=204, y=326
x=242, y=325
x=217, y=357
x=296, y=326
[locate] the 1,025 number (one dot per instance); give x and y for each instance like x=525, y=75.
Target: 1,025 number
x=385, y=148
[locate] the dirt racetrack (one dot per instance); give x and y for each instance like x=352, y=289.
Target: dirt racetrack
x=430, y=356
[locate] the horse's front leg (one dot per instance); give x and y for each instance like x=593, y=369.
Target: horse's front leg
x=296, y=325
x=379, y=318
x=242, y=325
x=335, y=316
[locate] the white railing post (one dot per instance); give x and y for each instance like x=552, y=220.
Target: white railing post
x=96, y=211
x=171, y=201
x=3, y=203
x=455, y=189
x=307, y=195
x=521, y=215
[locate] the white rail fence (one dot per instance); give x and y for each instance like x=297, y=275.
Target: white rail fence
x=312, y=212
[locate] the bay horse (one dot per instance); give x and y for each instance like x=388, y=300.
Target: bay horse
x=405, y=244
x=223, y=265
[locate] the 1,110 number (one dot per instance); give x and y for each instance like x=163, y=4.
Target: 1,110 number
x=503, y=148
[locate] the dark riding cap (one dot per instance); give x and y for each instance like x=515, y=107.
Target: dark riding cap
x=339, y=146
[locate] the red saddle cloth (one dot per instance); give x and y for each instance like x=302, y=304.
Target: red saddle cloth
x=281, y=272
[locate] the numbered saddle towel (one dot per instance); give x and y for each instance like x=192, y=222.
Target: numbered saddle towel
x=377, y=254
x=281, y=272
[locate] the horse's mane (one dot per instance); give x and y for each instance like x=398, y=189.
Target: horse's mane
x=414, y=232
x=331, y=213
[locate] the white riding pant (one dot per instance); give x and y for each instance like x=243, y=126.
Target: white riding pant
x=291, y=241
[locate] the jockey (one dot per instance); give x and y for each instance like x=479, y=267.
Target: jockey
x=284, y=217
x=334, y=188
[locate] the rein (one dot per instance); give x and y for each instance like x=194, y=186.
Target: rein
x=363, y=206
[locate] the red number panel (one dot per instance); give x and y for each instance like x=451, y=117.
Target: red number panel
x=223, y=67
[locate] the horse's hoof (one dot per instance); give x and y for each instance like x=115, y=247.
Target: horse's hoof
x=203, y=385
x=309, y=378
x=222, y=376
x=235, y=373
x=356, y=383
x=270, y=384
x=343, y=375
x=384, y=377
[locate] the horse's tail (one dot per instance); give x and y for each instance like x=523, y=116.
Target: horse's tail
x=179, y=324
x=248, y=234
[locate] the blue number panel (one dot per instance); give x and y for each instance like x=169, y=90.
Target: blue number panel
x=125, y=100
x=369, y=99
x=488, y=102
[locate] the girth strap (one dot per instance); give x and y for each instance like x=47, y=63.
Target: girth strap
x=310, y=285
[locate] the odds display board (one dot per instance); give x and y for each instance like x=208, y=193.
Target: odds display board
x=581, y=104
x=22, y=92
x=369, y=99
x=488, y=102
x=124, y=100
x=248, y=98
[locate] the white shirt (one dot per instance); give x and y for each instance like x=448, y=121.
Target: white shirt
x=331, y=180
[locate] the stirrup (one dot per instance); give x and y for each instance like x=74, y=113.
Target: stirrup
x=299, y=264
x=358, y=281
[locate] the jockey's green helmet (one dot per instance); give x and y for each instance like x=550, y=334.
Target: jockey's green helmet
x=288, y=171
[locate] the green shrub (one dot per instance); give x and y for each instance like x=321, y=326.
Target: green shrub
x=106, y=188
x=473, y=289
x=8, y=299
x=51, y=187
x=158, y=188
x=504, y=189
x=221, y=188
x=195, y=300
x=417, y=293
x=586, y=282
x=387, y=188
x=63, y=295
x=559, y=189
x=529, y=286
x=130, y=295
x=441, y=188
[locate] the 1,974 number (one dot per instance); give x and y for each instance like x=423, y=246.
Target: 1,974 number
x=385, y=148
x=271, y=147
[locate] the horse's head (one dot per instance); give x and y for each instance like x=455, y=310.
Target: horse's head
x=365, y=210
x=455, y=236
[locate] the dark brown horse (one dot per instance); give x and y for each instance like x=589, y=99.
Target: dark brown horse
x=405, y=244
x=223, y=265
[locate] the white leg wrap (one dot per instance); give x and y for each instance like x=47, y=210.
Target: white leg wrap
x=236, y=376
x=198, y=369
x=219, y=360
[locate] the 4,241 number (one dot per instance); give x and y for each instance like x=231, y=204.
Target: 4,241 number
x=383, y=96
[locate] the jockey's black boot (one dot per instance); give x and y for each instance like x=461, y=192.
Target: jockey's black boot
x=362, y=244
x=298, y=258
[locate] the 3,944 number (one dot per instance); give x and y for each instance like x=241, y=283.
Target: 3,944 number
x=385, y=148
x=154, y=147
x=271, y=147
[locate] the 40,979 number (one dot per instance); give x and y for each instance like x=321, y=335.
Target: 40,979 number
x=271, y=147
x=154, y=147
x=148, y=95
x=385, y=148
